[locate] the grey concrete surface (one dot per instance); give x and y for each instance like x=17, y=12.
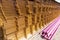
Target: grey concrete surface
x=55, y=37
x=37, y=36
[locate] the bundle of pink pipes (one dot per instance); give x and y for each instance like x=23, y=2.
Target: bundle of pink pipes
x=50, y=30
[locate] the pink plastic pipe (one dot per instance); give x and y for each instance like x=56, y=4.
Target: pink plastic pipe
x=45, y=32
x=50, y=38
x=54, y=27
x=46, y=35
x=53, y=30
x=49, y=26
x=52, y=22
x=51, y=34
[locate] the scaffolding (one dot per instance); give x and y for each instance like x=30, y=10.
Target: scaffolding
x=22, y=17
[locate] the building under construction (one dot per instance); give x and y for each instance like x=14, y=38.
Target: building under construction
x=19, y=18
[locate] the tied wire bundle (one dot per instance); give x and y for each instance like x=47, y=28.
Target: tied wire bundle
x=51, y=29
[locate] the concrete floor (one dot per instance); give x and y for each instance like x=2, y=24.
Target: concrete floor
x=55, y=37
x=37, y=36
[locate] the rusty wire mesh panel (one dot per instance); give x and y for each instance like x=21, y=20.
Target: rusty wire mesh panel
x=22, y=17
